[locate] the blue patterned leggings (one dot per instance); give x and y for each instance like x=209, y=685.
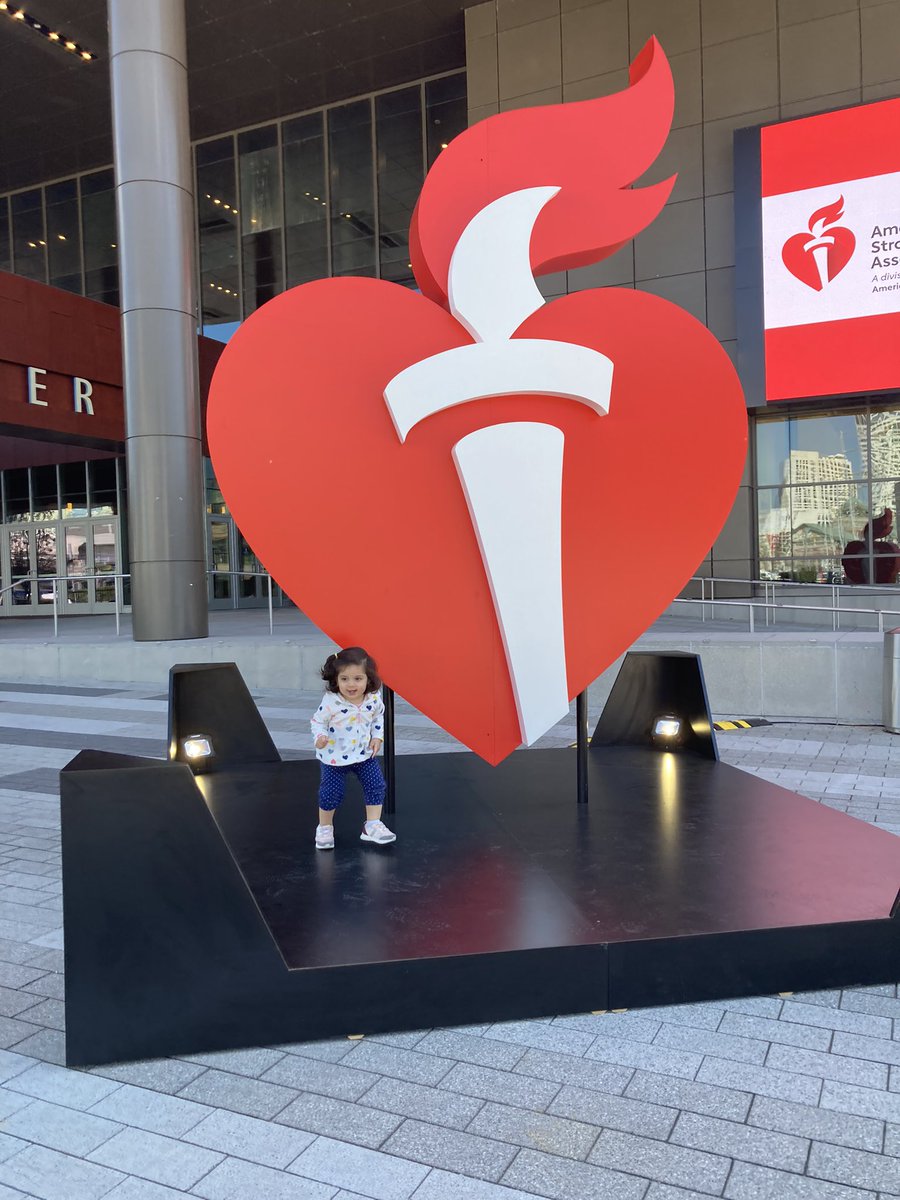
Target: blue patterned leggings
x=334, y=779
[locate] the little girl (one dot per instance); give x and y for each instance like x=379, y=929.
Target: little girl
x=348, y=727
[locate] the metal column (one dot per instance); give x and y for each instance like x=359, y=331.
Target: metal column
x=581, y=726
x=390, y=753
x=154, y=203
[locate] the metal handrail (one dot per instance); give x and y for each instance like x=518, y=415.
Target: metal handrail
x=768, y=588
x=792, y=583
x=750, y=605
x=118, y=578
x=57, y=579
x=255, y=574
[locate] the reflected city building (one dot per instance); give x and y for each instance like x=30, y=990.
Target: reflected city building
x=826, y=483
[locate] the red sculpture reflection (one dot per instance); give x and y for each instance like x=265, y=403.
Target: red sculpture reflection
x=886, y=555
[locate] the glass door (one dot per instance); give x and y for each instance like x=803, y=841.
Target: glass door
x=251, y=586
x=221, y=582
x=20, y=545
x=105, y=563
x=77, y=550
x=31, y=553
x=91, y=549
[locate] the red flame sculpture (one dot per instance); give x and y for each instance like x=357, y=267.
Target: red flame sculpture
x=596, y=210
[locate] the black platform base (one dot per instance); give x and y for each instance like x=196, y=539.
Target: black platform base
x=199, y=915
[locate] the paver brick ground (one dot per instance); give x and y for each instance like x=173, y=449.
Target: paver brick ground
x=763, y=1098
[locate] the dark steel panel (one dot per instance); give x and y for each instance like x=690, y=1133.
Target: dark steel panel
x=212, y=698
x=199, y=916
x=651, y=685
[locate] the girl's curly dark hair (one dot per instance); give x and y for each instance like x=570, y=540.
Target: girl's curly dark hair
x=353, y=656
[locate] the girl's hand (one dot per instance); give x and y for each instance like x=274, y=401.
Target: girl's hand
x=375, y=745
x=321, y=741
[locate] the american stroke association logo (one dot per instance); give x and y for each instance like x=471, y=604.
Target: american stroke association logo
x=818, y=256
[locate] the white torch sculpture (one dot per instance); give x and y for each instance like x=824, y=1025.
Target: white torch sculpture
x=511, y=473
x=820, y=244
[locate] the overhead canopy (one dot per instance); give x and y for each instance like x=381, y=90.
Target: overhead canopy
x=248, y=63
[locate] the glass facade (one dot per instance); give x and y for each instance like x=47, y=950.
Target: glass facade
x=59, y=531
x=217, y=232
x=329, y=192
x=72, y=490
x=827, y=495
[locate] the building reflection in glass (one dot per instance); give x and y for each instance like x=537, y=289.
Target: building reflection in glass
x=827, y=482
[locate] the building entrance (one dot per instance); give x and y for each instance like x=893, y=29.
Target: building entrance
x=236, y=578
x=33, y=555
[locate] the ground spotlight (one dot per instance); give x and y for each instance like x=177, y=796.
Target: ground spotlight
x=197, y=749
x=666, y=732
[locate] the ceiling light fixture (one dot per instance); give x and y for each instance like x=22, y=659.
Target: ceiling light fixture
x=52, y=35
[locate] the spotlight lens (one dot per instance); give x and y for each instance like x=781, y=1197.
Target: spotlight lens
x=198, y=745
x=667, y=727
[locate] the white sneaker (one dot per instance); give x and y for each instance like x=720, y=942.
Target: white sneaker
x=377, y=831
x=324, y=837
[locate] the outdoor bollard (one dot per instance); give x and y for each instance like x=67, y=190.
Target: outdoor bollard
x=890, y=708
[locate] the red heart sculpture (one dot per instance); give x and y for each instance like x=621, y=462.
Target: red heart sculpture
x=372, y=537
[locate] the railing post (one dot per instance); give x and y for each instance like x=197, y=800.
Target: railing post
x=116, y=596
x=581, y=724
x=55, y=606
x=390, y=772
x=880, y=621
x=750, y=611
x=271, y=618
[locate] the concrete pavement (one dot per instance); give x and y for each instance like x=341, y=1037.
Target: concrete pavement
x=788, y=1098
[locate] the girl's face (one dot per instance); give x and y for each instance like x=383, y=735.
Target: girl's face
x=352, y=682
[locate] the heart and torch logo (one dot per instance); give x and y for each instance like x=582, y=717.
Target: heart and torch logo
x=817, y=256
x=493, y=493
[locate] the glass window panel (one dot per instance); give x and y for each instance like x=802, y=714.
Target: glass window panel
x=249, y=565
x=73, y=489
x=398, y=130
x=99, y=237
x=825, y=518
x=5, y=260
x=876, y=540
x=260, y=215
x=45, y=547
x=76, y=551
x=827, y=447
x=18, y=501
x=305, y=213
x=352, y=211
x=105, y=559
x=29, y=239
x=773, y=451
x=445, y=112
x=63, y=242
x=19, y=542
x=218, y=213
x=773, y=523
x=220, y=558
x=44, y=494
x=215, y=501
x=102, y=476
x=881, y=438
